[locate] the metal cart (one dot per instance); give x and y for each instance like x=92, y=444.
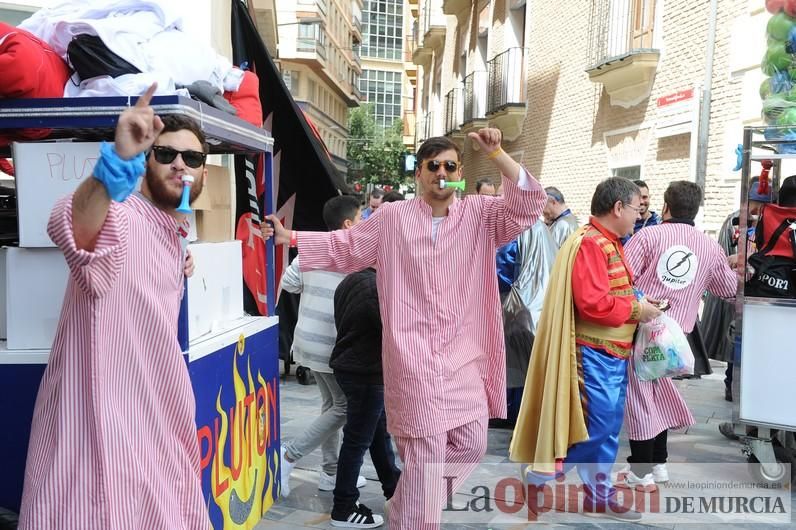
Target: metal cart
x=764, y=409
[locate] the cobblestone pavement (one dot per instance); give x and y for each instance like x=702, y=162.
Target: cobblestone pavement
x=307, y=507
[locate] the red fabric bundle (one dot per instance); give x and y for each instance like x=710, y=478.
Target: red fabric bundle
x=29, y=68
x=247, y=99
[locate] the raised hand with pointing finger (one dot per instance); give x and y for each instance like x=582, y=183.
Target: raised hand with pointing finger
x=117, y=170
x=119, y=166
x=138, y=126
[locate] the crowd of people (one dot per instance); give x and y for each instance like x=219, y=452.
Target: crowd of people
x=556, y=293
x=400, y=352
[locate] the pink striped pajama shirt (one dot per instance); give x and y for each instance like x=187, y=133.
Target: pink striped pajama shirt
x=443, y=352
x=676, y=262
x=113, y=443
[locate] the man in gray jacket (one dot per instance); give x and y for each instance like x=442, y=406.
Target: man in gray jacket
x=559, y=218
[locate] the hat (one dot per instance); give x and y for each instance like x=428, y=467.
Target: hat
x=787, y=192
x=754, y=193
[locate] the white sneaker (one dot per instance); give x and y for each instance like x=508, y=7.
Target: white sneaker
x=326, y=481
x=285, y=469
x=660, y=473
x=633, y=481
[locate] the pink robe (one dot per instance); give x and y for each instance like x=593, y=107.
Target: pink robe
x=675, y=262
x=113, y=443
x=443, y=353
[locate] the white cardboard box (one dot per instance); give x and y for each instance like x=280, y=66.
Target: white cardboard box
x=34, y=284
x=215, y=291
x=45, y=172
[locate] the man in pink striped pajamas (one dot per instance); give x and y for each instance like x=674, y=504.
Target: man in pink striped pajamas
x=672, y=261
x=113, y=441
x=443, y=351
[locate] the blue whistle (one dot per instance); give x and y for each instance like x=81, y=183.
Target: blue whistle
x=185, y=203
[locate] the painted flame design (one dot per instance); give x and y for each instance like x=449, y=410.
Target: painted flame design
x=244, y=467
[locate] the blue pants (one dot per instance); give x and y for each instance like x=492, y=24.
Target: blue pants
x=365, y=429
x=603, y=400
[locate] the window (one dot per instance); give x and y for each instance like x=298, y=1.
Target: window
x=629, y=172
x=382, y=29
x=383, y=90
x=291, y=80
x=643, y=18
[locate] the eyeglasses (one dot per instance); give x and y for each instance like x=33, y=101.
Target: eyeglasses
x=637, y=209
x=166, y=155
x=434, y=165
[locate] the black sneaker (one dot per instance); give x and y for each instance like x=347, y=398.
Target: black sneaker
x=360, y=517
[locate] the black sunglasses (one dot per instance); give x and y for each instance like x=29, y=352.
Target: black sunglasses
x=434, y=165
x=166, y=155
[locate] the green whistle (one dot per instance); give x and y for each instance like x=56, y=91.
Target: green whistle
x=456, y=184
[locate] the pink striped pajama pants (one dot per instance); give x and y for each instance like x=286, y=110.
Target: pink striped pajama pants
x=422, y=490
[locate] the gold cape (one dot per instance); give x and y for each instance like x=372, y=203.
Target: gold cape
x=551, y=416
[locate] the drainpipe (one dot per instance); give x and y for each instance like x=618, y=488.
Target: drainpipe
x=704, y=116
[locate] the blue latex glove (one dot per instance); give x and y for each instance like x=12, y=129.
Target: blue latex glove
x=119, y=176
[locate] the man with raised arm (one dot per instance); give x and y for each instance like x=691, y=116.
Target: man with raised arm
x=443, y=352
x=113, y=442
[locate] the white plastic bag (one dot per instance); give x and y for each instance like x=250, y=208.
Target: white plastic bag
x=661, y=350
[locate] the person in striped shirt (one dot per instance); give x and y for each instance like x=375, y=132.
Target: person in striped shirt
x=677, y=262
x=313, y=342
x=443, y=351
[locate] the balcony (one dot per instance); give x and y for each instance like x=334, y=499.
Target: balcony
x=410, y=68
x=474, y=95
x=424, y=128
x=413, y=6
x=311, y=45
x=356, y=92
x=434, y=25
x=506, y=106
x=454, y=112
x=420, y=56
x=621, y=53
x=455, y=7
x=355, y=55
x=409, y=129
x=357, y=24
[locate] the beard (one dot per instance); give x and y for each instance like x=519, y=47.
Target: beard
x=164, y=197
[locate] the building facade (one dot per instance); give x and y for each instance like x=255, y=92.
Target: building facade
x=587, y=90
x=318, y=42
x=385, y=84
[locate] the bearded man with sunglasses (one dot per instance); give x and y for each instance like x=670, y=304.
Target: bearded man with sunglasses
x=113, y=441
x=443, y=351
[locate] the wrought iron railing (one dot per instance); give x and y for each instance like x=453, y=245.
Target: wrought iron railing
x=424, y=129
x=620, y=28
x=453, y=110
x=506, y=79
x=474, y=96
